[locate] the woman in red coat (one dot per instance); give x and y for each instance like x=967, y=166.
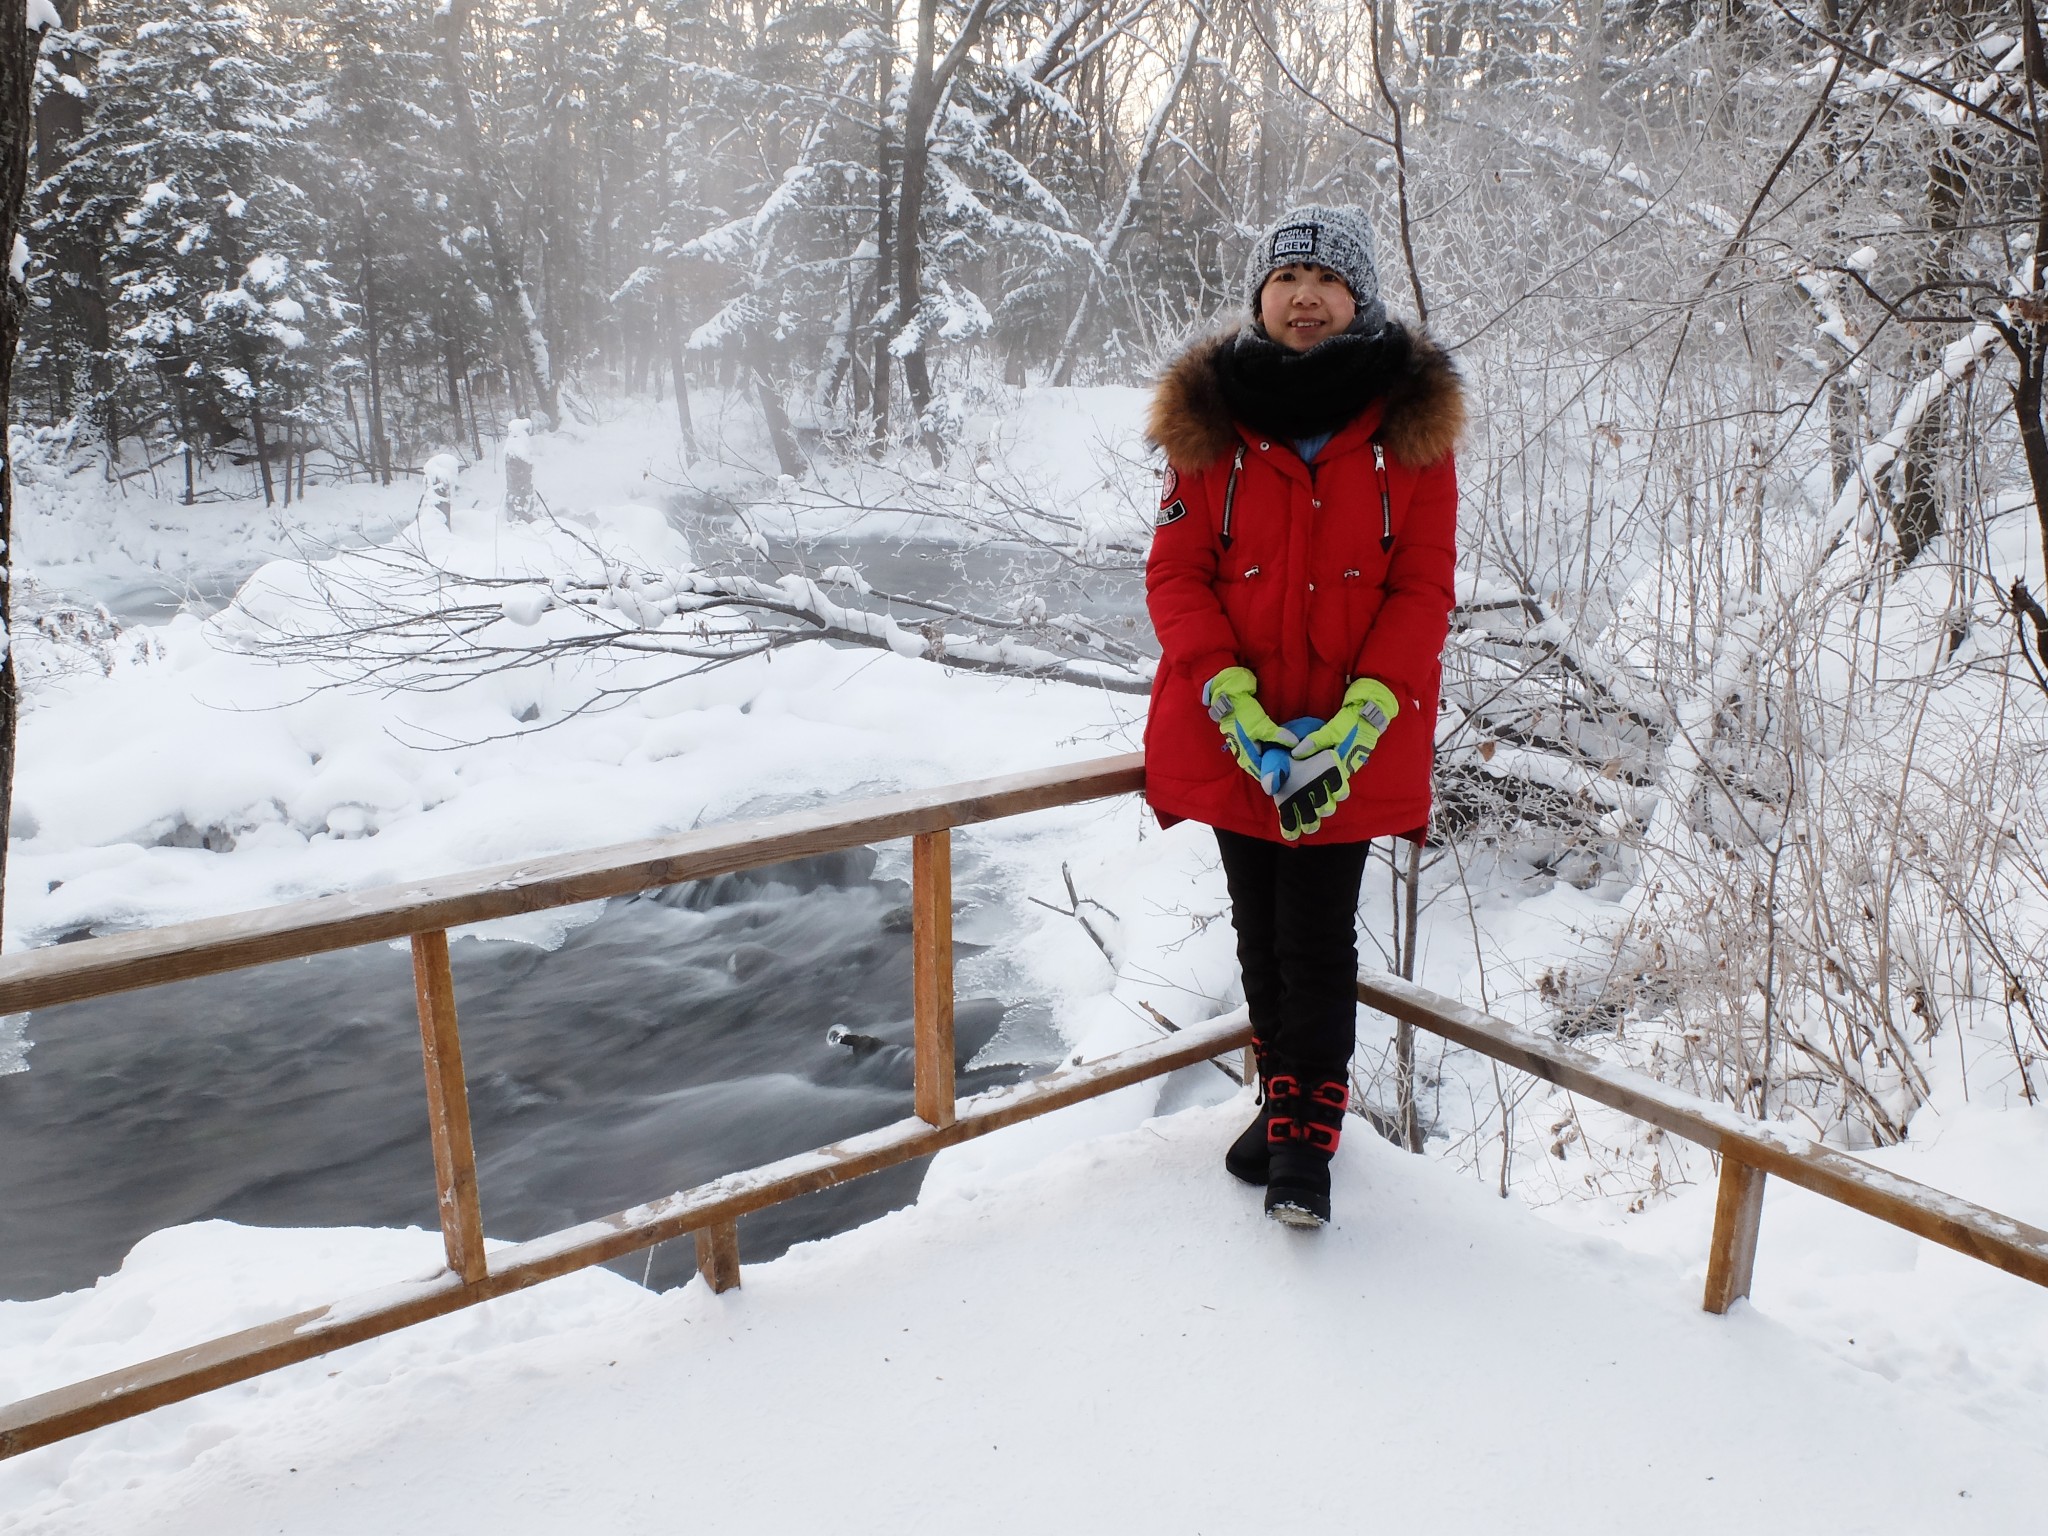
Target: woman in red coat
x=1301, y=583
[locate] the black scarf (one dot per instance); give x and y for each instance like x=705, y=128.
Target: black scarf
x=1288, y=394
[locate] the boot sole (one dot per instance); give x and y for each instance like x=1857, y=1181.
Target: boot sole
x=1300, y=1217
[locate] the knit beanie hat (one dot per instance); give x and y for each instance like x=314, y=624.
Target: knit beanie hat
x=1336, y=236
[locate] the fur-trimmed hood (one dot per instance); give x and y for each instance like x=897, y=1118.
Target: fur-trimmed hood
x=1423, y=418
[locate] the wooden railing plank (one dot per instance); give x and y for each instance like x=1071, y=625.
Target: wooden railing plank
x=1998, y=1240
x=462, y=1218
x=931, y=948
x=236, y=1357
x=62, y=973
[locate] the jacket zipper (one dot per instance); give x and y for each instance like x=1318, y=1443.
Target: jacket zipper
x=1379, y=468
x=1230, y=492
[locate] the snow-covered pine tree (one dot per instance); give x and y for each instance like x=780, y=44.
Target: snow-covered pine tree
x=194, y=155
x=1001, y=237
x=769, y=185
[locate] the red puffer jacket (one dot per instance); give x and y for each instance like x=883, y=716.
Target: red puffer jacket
x=1302, y=588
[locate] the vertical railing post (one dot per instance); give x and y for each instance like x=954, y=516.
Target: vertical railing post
x=931, y=946
x=462, y=1219
x=718, y=1255
x=1738, y=1212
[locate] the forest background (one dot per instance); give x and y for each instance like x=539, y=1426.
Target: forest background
x=1751, y=639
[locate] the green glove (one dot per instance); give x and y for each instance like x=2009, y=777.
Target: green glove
x=1254, y=740
x=1329, y=755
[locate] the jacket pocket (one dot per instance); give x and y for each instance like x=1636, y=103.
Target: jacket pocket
x=1246, y=591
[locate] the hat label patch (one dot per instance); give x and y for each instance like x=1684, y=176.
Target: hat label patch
x=1295, y=241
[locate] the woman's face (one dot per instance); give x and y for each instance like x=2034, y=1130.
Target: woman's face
x=1302, y=304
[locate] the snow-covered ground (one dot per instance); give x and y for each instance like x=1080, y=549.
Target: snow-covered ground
x=1117, y=1340
x=1109, y=1317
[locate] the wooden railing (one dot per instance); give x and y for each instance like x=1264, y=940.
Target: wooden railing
x=1749, y=1149
x=425, y=911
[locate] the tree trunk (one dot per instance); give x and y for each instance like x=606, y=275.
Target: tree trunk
x=291, y=447
x=674, y=339
x=525, y=352
x=2029, y=344
x=1265, y=163
x=380, y=458
x=885, y=245
x=452, y=347
x=917, y=119
x=1916, y=516
x=17, y=73
x=928, y=83
x=262, y=452
x=80, y=293
x=787, y=459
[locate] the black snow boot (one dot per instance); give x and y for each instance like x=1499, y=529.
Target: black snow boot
x=1301, y=1138
x=1246, y=1158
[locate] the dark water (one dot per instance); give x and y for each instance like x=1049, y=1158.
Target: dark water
x=157, y=602
x=680, y=1036
x=984, y=575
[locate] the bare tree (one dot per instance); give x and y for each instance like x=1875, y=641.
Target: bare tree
x=17, y=77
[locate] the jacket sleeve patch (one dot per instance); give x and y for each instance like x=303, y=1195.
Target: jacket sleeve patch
x=1171, y=514
x=1168, y=485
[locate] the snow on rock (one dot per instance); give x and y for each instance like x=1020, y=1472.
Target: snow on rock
x=1112, y=1342
x=440, y=473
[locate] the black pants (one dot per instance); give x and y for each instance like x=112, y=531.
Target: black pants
x=1295, y=911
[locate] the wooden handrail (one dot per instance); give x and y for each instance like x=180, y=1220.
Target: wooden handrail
x=1750, y=1148
x=69, y=973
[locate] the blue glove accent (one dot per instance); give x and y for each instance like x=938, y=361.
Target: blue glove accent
x=1312, y=788
x=1276, y=762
